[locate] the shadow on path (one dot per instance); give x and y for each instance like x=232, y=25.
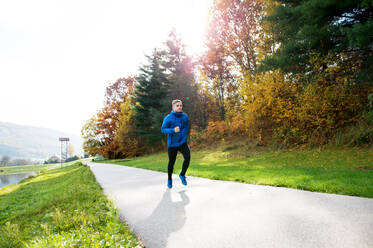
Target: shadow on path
x=166, y=218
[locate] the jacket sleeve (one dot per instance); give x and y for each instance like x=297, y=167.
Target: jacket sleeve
x=185, y=129
x=166, y=126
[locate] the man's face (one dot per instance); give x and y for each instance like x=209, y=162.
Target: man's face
x=177, y=107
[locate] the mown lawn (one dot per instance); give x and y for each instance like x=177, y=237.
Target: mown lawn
x=63, y=207
x=347, y=171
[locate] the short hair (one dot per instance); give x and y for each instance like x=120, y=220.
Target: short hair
x=175, y=101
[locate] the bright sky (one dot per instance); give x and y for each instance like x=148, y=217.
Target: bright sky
x=57, y=57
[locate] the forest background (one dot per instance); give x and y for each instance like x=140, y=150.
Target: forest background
x=279, y=73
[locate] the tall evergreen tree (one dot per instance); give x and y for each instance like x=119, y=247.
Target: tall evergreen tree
x=150, y=97
x=180, y=70
x=322, y=27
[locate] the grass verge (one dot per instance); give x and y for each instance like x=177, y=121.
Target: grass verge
x=24, y=168
x=63, y=207
x=34, y=168
x=346, y=171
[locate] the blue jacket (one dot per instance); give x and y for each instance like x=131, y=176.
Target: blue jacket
x=171, y=121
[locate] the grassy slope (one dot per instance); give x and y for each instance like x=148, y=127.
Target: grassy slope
x=32, y=168
x=24, y=168
x=347, y=171
x=63, y=207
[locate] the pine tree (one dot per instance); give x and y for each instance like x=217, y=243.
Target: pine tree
x=150, y=95
x=180, y=68
x=328, y=27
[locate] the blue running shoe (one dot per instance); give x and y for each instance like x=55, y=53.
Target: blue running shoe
x=169, y=183
x=183, y=179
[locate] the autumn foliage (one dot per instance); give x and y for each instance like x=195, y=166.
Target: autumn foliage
x=257, y=78
x=101, y=131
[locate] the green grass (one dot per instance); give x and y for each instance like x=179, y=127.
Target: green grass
x=346, y=171
x=32, y=168
x=62, y=207
x=25, y=168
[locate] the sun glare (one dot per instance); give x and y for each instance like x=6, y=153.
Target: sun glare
x=191, y=24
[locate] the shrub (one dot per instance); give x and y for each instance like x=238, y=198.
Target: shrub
x=293, y=113
x=216, y=130
x=238, y=128
x=72, y=158
x=324, y=109
x=269, y=103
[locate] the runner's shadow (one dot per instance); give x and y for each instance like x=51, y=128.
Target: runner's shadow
x=167, y=217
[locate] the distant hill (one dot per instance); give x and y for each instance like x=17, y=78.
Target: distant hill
x=30, y=142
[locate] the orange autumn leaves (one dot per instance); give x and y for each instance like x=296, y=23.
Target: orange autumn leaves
x=231, y=98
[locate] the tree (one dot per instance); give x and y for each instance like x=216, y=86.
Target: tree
x=150, y=97
x=70, y=150
x=106, y=121
x=99, y=132
x=21, y=161
x=92, y=141
x=234, y=30
x=180, y=73
x=232, y=47
x=5, y=160
x=130, y=143
x=207, y=109
x=330, y=27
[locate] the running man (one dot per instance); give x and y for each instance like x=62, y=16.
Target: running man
x=176, y=126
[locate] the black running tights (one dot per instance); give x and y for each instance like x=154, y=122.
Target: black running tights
x=172, y=153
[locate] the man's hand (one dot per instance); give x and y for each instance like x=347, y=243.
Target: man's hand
x=177, y=129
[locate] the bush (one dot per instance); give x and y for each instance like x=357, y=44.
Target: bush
x=324, y=109
x=216, y=130
x=196, y=137
x=72, y=158
x=98, y=158
x=293, y=113
x=358, y=134
x=269, y=106
x=238, y=128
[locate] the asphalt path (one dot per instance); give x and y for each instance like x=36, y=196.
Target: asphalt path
x=210, y=213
